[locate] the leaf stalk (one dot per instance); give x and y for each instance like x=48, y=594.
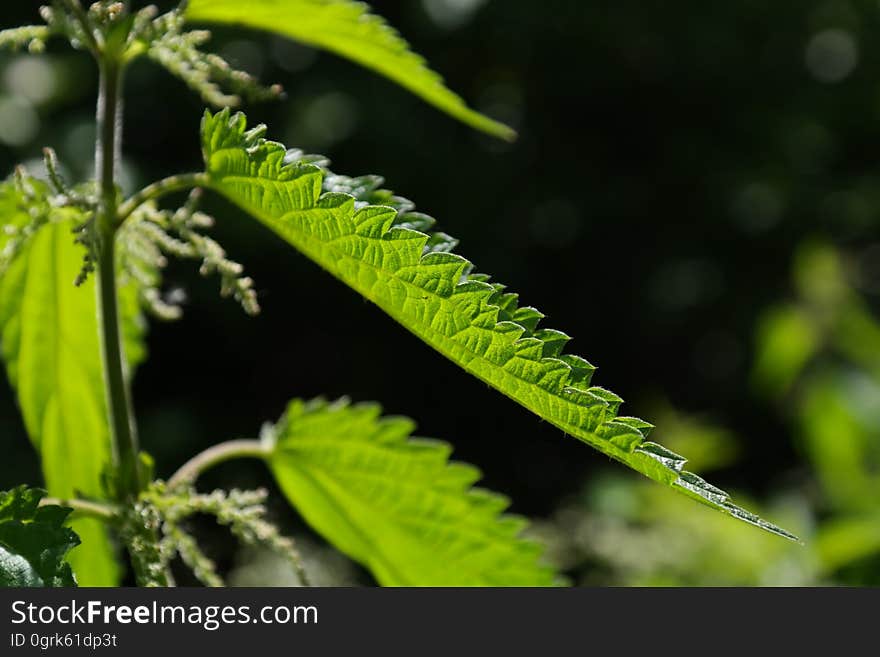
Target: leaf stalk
x=88, y=508
x=227, y=451
x=169, y=185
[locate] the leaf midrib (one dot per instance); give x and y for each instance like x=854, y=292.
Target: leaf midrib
x=461, y=354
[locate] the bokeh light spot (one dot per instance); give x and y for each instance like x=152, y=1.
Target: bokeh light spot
x=831, y=55
x=757, y=207
x=292, y=56
x=450, y=14
x=32, y=78
x=19, y=122
x=325, y=120
x=244, y=55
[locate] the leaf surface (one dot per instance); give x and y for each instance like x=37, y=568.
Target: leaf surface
x=50, y=345
x=34, y=541
x=375, y=243
x=350, y=30
x=395, y=503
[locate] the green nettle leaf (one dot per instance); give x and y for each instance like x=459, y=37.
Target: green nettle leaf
x=50, y=344
x=372, y=241
x=348, y=29
x=394, y=503
x=34, y=540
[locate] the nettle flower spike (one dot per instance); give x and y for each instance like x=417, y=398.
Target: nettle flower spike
x=106, y=12
x=66, y=196
x=85, y=29
x=31, y=37
x=152, y=234
x=212, y=77
x=67, y=18
x=36, y=202
x=31, y=212
x=242, y=511
x=82, y=197
x=162, y=37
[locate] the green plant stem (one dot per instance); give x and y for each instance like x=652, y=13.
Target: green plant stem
x=232, y=449
x=89, y=508
x=122, y=430
x=158, y=189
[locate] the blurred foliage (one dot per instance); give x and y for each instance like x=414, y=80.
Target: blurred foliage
x=325, y=566
x=816, y=360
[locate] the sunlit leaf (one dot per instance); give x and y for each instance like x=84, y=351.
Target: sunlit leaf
x=395, y=503
x=371, y=240
x=50, y=345
x=351, y=30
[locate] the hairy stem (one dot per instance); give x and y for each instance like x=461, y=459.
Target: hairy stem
x=122, y=429
x=232, y=449
x=88, y=508
x=158, y=189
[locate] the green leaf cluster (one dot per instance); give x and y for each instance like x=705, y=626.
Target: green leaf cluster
x=34, y=541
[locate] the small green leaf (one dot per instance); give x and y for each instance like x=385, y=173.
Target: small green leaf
x=50, y=345
x=348, y=29
x=394, y=503
x=376, y=250
x=34, y=540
